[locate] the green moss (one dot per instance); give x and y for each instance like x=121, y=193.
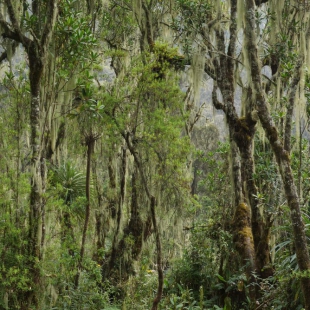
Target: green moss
x=242, y=214
x=243, y=231
x=285, y=155
x=243, y=206
x=246, y=232
x=167, y=57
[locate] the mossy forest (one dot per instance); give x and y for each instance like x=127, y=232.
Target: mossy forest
x=154, y=154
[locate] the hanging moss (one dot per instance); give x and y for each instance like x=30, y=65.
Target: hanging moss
x=276, y=8
x=137, y=10
x=18, y=9
x=240, y=14
x=197, y=71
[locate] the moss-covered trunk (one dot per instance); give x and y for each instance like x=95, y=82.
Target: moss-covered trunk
x=260, y=226
x=244, y=242
x=282, y=156
x=241, y=130
x=38, y=176
x=242, y=228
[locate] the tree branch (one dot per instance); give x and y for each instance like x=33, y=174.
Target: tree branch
x=13, y=31
x=233, y=32
x=218, y=105
x=210, y=72
x=8, y=33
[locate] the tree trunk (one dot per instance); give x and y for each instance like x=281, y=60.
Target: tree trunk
x=282, y=156
x=90, y=141
x=242, y=130
x=243, y=235
x=260, y=227
x=159, y=257
x=38, y=177
x=243, y=238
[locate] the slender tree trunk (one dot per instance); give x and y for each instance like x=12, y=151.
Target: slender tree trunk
x=290, y=107
x=282, y=156
x=36, y=214
x=101, y=217
x=159, y=257
x=236, y=172
x=90, y=141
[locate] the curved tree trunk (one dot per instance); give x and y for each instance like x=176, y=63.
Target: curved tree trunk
x=282, y=156
x=241, y=130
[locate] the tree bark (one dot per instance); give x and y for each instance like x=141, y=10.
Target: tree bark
x=243, y=238
x=290, y=107
x=159, y=257
x=282, y=156
x=90, y=142
x=260, y=226
x=242, y=131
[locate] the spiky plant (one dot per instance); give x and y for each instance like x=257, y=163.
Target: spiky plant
x=71, y=181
